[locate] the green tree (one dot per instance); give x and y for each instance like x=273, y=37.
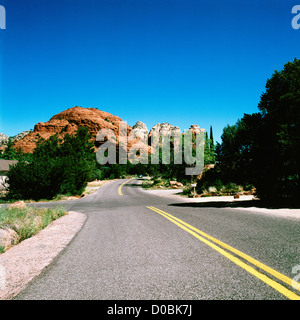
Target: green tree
x=212, y=146
x=237, y=155
x=211, y=137
x=263, y=148
x=209, y=148
x=10, y=153
x=57, y=166
x=280, y=143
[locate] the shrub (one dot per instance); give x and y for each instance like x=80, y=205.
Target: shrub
x=56, y=167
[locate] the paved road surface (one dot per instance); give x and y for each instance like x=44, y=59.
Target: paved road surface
x=130, y=248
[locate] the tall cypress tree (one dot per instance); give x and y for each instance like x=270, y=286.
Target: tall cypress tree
x=212, y=146
x=211, y=137
x=207, y=154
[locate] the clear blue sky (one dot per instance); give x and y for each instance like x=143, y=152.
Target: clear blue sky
x=178, y=61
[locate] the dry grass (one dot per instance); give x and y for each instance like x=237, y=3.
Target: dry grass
x=28, y=221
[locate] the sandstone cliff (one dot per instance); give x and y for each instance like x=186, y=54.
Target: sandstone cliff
x=68, y=121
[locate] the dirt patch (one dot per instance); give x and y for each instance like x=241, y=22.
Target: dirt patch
x=22, y=263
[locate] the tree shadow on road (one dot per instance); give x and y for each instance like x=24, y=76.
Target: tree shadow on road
x=239, y=204
x=133, y=185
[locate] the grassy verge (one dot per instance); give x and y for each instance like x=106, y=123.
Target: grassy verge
x=27, y=221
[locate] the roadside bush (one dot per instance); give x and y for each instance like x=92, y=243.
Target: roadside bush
x=35, y=180
x=56, y=167
x=214, y=182
x=231, y=188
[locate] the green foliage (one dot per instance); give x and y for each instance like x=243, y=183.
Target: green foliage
x=56, y=167
x=10, y=153
x=262, y=149
x=280, y=106
x=210, y=178
x=237, y=155
x=214, y=182
x=28, y=221
x=39, y=179
x=209, y=149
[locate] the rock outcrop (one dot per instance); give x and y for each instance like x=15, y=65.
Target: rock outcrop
x=8, y=238
x=196, y=129
x=69, y=121
x=168, y=129
x=141, y=130
x=163, y=129
x=3, y=139
x=20, y=136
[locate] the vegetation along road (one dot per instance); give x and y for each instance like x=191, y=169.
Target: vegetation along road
x=135, y=245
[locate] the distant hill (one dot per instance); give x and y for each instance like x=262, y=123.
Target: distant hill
x=68, y=121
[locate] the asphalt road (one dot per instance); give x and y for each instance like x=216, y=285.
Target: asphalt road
x=132, y=247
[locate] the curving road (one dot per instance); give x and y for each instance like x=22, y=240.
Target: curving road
x=135, y=245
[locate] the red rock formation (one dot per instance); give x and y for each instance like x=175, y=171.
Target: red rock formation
x=68, y=121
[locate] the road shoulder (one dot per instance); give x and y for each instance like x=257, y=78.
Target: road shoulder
x=279, y=212
x=22, y=263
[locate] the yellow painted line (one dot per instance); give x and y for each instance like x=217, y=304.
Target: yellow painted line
x=255, y=262
x=120, y=187
x=185, y=226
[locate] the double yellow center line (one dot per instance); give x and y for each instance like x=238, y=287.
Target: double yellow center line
x=219, y=246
